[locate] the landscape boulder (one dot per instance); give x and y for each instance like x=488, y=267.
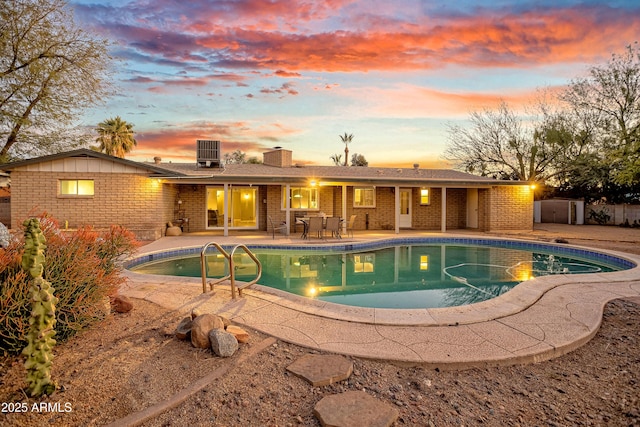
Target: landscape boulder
x=122, y=304
x=200, y=327
x=183, y=330
x=223, y=343
x=5, y=236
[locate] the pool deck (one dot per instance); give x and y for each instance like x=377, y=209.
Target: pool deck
x=538, y=320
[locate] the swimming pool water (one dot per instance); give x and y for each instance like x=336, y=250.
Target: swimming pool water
x=401, y=276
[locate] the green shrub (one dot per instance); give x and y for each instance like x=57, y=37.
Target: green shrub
x=82, y=268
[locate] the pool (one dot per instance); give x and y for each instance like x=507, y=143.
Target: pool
x=395, y=273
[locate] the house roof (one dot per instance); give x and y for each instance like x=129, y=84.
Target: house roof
x=83, y=152
x=331, y=174
x=261, y=173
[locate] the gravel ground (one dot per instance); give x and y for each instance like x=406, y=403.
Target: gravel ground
x=132, y=361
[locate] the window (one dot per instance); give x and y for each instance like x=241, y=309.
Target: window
x=364, y=263
x=242, y=211
x=364, y=197
x=301, y=198
x=424, y=196
x=424, y=262
x=76, y=187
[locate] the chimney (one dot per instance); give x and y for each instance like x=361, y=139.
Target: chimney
x=416, y=166
x=277, y=157
x=157, y=160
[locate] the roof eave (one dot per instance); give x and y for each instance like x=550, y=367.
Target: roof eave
x=83, y=152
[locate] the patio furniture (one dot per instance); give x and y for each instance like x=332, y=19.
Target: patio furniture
x=316, y=225
x=350, y=224
x=299, y=218
x=305, y=226
x=333, y=226
x=282, y=228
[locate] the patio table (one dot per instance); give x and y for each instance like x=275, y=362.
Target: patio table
x=305, y=224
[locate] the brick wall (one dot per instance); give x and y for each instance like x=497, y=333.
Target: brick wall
x=132, y=200
x=279, y=158
x=510, y=208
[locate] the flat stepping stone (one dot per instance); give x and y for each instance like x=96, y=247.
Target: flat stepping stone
x=354, y=409
x=322, y=370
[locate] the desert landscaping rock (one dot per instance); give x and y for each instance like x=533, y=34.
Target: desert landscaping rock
x=122, y=304
x=223, y=343
x=354, y=409
x=322, y=369
x=183, y=330
x=240, y=334
x=200, y=327
x=5, y=236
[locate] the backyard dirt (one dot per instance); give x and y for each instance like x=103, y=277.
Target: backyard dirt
x=132, y=361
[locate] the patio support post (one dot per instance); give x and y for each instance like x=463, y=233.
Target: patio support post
x=443, y=217
x=344, y=210
x=226, y=210
x=397, y=204
x=287, y=206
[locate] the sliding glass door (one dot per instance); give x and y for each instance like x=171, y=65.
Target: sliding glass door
x=242, y=211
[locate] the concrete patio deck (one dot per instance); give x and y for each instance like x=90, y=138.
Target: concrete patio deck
x=539, y=319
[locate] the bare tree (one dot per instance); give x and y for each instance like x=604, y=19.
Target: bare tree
x=494, y=145
x=50, y=70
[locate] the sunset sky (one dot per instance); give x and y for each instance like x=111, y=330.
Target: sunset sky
x=299, y=73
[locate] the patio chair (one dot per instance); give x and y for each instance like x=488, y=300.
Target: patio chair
x=333, y=226
x=316, y=225
x=352, y=221
x=282, y=228
x=298, y=218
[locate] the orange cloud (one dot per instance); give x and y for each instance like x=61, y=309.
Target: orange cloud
x=535, y=37
x=179, y=142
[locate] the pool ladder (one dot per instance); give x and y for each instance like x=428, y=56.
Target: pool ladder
x=232, y=268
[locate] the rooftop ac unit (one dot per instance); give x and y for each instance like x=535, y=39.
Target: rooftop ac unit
x=208, y=153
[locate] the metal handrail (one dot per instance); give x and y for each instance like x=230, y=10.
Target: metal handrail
x=233, y=273
x=203, y=266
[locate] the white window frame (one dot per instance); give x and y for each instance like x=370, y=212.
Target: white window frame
x=363, y=189
x=311, y=190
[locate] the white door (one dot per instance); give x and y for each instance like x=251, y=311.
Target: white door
x=472, y=208
x=405, y=207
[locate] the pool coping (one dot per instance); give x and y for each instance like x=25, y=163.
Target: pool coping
x=543, y=319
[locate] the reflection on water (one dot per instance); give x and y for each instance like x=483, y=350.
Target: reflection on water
x=422, y=276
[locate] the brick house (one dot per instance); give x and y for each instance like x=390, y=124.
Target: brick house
x=87, y=187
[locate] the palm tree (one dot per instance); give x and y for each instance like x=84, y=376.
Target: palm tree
x=116, y=137
x=346, y=138
x=337, y=159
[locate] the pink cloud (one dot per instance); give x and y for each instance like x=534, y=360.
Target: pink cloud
x=292, y=37
x=178, y=142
